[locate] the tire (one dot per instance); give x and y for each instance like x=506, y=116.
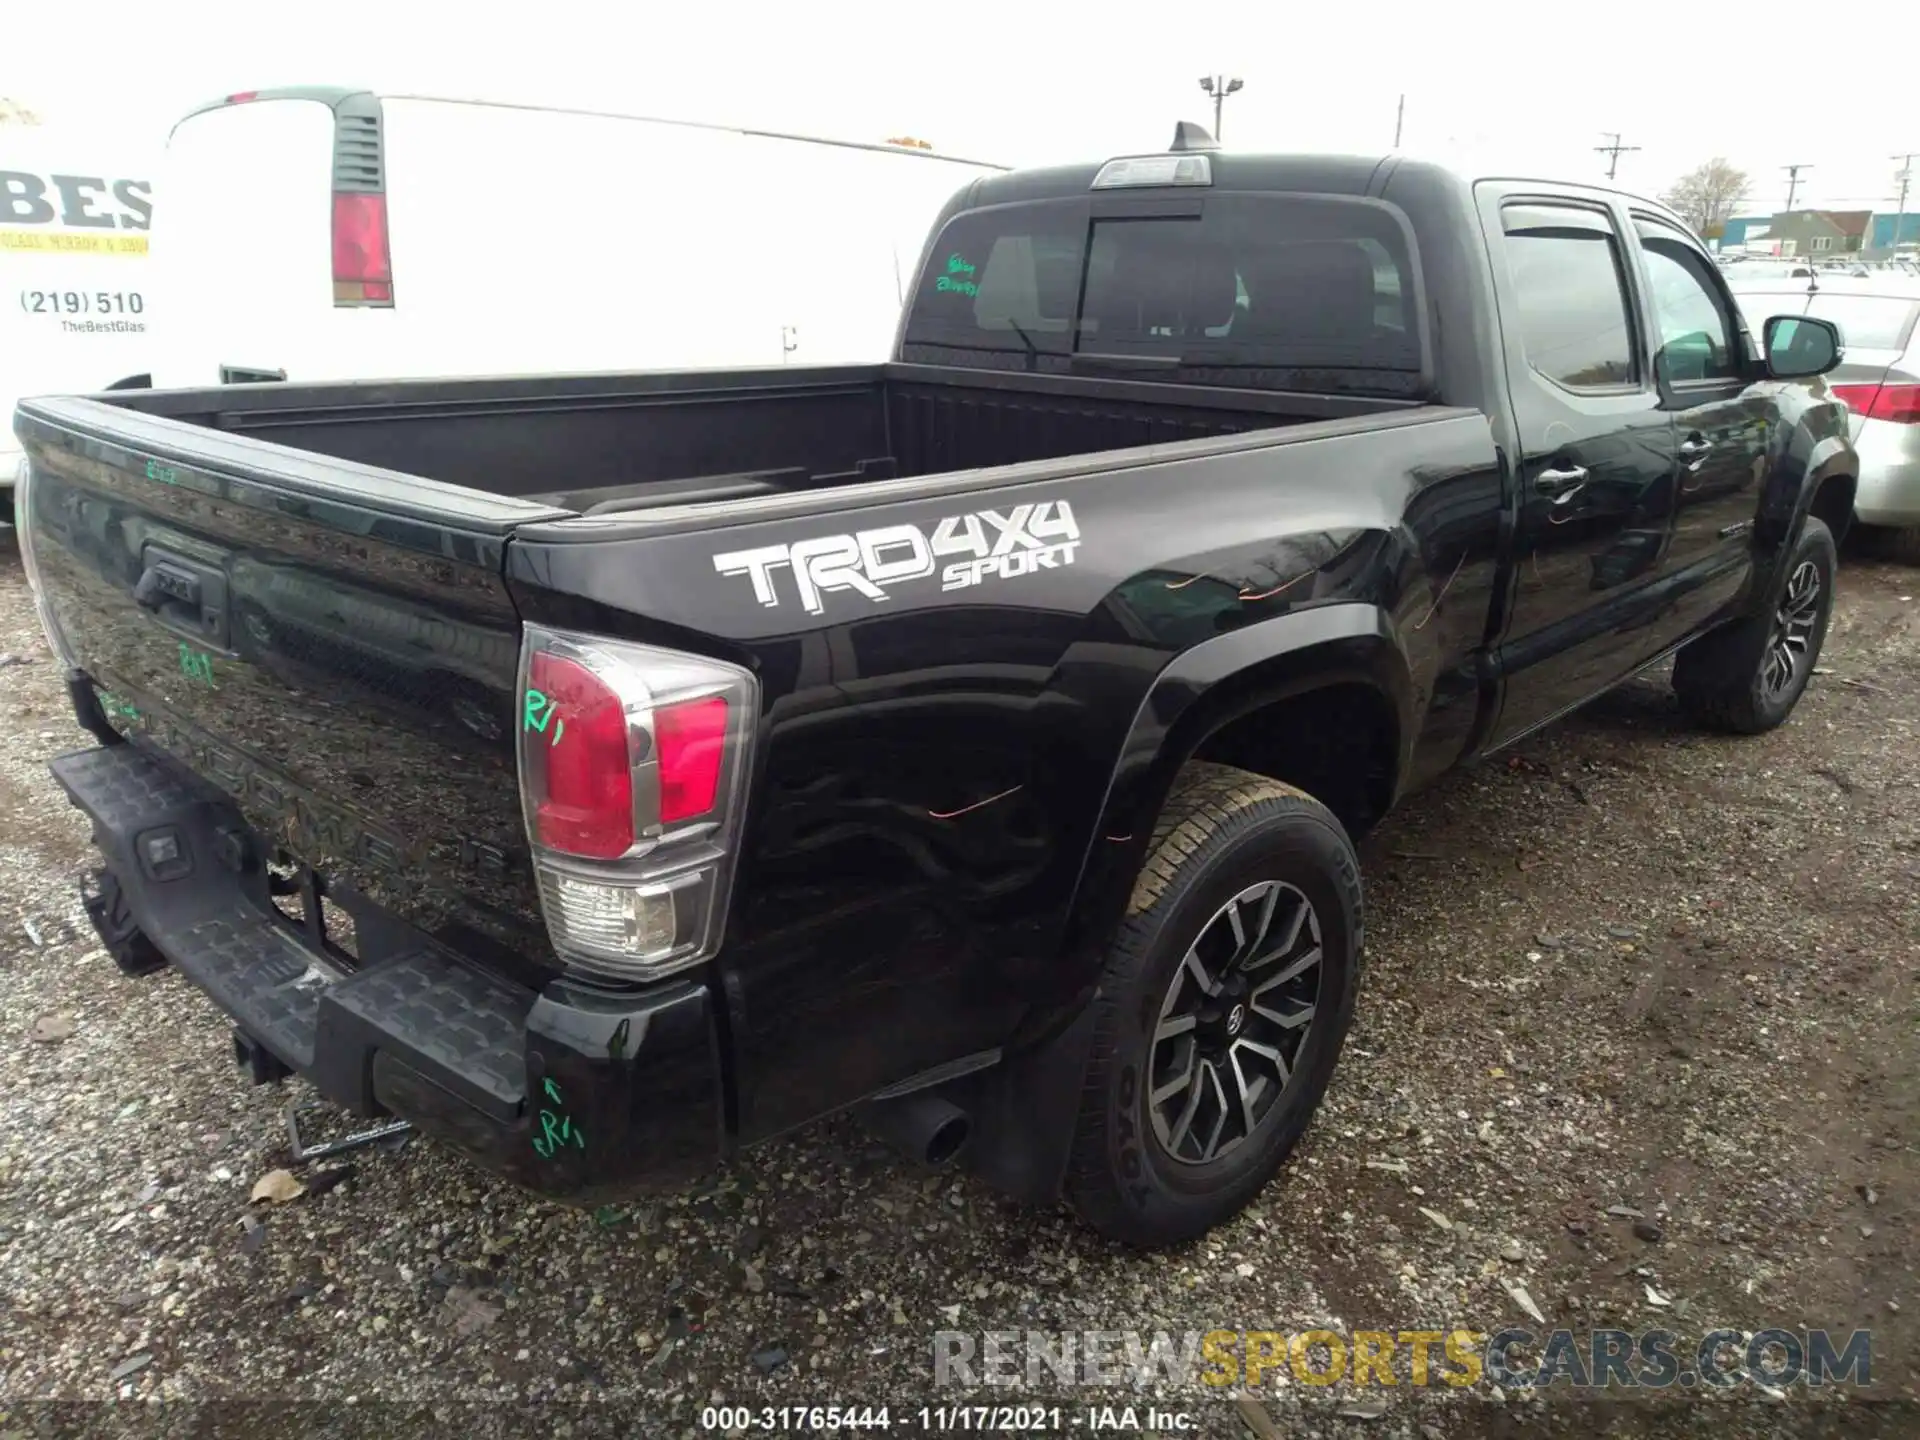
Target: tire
x=1731, y=679
x=1225, y=839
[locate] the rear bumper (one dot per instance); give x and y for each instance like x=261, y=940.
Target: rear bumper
x=580, y=1095
x=1889, y=489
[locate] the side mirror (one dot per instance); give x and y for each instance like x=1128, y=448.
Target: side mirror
x=1799, y=347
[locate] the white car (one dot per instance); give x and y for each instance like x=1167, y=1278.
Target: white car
x=1879, y=320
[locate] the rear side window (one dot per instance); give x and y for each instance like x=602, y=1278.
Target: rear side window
x=1263, y=286
x=1572, y=295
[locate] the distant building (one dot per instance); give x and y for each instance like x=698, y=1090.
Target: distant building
x=1802, y=232
x=1886, y=229
x=1819, y=232
x=1734, y=234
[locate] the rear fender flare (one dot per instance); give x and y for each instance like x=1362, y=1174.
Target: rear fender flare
x=1804, y=464
x=1206, y=687
x=1027, y=1112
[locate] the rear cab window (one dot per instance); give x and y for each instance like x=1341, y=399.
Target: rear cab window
x=1260, y=290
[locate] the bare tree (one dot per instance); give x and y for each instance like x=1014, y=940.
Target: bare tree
x=12, y=112
x=1706, y=196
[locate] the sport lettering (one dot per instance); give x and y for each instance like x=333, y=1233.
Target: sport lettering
x=996, y=545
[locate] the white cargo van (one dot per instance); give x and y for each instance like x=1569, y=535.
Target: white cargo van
x=327, y=234
x=74, y=299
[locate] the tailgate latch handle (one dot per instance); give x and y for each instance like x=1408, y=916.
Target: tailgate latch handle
x=161, y=583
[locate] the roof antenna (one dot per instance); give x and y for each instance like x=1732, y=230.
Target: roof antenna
x=1189, y=136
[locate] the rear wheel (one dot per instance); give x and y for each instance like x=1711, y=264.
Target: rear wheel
x=1747, y=677
x=1220, y=1016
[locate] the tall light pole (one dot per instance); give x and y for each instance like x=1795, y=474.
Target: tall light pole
x=1219, y=86
x=1900, y=213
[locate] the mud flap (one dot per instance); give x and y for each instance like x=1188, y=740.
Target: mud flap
x=1024, y=1113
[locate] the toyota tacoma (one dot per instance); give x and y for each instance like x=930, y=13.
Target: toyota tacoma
x=607, y=772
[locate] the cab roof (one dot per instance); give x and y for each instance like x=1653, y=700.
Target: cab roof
x=1363, y=174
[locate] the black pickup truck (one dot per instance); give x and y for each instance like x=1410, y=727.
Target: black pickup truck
x=607, y=772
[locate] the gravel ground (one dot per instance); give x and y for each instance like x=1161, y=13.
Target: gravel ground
x=1628, y=966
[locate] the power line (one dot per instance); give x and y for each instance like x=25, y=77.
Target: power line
x=1793, y=180
x=1614, y=151
x=1399, y=119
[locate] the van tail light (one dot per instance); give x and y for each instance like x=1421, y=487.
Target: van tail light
x=1899, y=403
x=633, y=765
x=362, y=264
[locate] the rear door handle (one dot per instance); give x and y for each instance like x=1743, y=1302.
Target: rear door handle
x=1559, y=485
x=1689, y=449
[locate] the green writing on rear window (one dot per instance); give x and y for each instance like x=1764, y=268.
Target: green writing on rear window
x=196, y=665
x=117, y=709
x=163, y=473
x=541, y=712
x=958, y=276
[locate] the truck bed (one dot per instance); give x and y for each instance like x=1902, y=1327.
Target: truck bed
x=593, y=444
x=316, y=599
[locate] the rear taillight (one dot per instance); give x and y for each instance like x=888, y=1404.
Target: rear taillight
x=1899, y=403
x=24, y=525
x=632, y=766
x=693, y=747
x=585, y=785
x=362, y=265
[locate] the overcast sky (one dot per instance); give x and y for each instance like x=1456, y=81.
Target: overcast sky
x=1045, y=80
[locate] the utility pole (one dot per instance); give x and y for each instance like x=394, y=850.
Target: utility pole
x=1900, y=214
x=1614, y=151
x=1219, y=87
x=1399, y=119
x=1793, y=180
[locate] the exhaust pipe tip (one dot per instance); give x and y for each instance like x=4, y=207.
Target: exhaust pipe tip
x=948, y=1139
x=930, y=1131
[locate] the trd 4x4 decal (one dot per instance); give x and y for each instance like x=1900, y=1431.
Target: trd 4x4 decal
x=994, y=546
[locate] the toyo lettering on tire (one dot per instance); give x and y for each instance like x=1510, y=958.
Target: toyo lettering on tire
x=1227, y=993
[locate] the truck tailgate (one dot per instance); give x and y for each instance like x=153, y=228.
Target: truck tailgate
x=328, y=643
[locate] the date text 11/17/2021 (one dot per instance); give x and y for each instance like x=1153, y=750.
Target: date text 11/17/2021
x=946, y=1419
